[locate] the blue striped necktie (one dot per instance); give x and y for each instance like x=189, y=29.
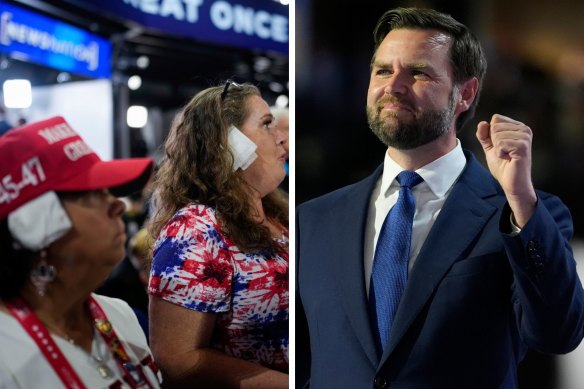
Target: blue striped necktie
x=390, y=263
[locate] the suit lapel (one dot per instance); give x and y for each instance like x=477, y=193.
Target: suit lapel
x=348, y=218
x=463, y=216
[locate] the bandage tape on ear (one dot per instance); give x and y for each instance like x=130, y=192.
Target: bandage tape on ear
x=40, y=222
x=242, y=148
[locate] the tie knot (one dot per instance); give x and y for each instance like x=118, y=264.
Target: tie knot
x=409, y=178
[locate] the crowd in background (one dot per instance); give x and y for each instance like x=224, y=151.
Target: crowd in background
x=213, y=217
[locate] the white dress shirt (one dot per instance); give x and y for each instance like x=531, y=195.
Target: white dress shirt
x=439, y=178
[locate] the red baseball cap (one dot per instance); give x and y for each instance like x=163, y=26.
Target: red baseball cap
x=50, y=156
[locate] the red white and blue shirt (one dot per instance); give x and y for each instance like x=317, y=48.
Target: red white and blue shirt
x=197, y=266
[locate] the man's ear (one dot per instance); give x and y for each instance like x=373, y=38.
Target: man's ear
x=468, y=92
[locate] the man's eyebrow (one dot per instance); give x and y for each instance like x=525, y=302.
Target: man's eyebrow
x=413, y=65
x=417, y=65
x=380, y=64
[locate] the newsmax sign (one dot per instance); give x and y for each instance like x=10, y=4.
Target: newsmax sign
x=31, y=37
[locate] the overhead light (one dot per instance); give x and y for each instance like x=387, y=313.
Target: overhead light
x=282, y=101
x=4, y=63
x=63, y=77
x=17, y=93
x=276, y=87
x=262, y=64
x=137, y=116
x=134, y=82
x=143, y=62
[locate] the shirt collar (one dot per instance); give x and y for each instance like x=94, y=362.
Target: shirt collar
x=439, y=175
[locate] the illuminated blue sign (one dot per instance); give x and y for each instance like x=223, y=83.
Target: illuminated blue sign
x=35, y=38
x=252, y=24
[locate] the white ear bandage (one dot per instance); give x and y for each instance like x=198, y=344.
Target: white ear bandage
x=242, y=148
x=40, y=222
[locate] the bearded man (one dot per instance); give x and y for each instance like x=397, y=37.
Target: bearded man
x=433, y=272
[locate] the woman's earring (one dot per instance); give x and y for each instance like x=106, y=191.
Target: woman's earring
x=42, y=274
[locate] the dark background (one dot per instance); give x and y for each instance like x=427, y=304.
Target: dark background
x=535, y=53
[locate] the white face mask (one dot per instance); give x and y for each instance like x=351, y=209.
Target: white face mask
x=242, y=148
x=40, y=222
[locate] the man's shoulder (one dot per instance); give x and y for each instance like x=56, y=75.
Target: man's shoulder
x=328, y=198
x=343, y=195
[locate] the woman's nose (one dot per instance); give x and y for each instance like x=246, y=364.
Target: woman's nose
x=117, y=207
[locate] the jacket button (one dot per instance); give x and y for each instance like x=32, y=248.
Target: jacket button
x=380, y=382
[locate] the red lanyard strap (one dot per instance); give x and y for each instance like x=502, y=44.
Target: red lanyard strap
x=133, y=374
x=37, y=331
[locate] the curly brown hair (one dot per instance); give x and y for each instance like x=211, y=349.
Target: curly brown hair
x=198, y=168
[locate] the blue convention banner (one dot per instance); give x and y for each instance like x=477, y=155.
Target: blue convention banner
x=252, y=24
x=28, y=36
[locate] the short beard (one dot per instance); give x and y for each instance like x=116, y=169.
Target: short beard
x=425, y=127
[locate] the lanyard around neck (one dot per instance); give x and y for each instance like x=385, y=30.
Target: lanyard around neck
x=38, y=332
x=132, y=373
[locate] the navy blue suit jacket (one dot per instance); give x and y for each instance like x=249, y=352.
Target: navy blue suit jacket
x=475, y=299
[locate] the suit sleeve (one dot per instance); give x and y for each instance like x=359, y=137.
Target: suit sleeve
x=548, y=299
x=303, y=359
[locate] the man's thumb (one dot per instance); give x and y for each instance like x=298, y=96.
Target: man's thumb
x=483, y=135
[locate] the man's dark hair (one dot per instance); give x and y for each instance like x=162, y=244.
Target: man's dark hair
x=466, y=53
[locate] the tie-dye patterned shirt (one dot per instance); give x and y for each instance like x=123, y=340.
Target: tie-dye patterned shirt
x=198, y=267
